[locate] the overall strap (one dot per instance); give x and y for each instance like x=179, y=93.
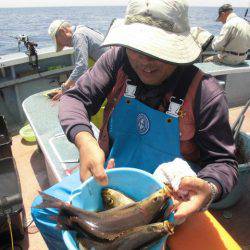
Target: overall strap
x=184, y=97
x=189, y=149
x=182, y=87
x=184, y=82
x=112, y=99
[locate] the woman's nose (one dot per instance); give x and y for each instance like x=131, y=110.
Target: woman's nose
x=146, y=58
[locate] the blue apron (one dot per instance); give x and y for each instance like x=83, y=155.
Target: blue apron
x=141, y=137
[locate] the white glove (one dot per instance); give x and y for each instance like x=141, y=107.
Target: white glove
x=172, y=172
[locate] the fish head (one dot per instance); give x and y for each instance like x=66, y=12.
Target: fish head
x=108, y=197
x=161, y=195
x=158, y=197
x=154, y=204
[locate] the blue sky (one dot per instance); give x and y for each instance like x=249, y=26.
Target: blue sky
x=44, y=3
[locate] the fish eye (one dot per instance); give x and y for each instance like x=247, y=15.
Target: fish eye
x=156, y=199
x=110, y=201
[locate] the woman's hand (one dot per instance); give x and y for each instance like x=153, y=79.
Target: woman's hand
x=193, y=195
x=92, y=158
x=57, y=95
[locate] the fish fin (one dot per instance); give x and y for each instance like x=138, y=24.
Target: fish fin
x=49, y=201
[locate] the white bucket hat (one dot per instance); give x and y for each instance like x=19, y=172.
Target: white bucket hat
x=53, y=28
x=158, y=28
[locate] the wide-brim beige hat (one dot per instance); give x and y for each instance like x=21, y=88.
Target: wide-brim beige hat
x=53, y=29
x=167, y=46
x=175, y=45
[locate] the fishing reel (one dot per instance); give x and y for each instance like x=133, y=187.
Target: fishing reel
x=22, y=39
x=31, y=50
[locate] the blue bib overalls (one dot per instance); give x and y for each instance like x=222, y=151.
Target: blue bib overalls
x=141, y=137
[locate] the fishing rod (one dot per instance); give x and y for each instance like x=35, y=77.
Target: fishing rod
x=246, y=13
x=238, y=123
x=30, y=49
x=20, y=39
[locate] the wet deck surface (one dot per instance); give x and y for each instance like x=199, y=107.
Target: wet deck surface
x=31, y=169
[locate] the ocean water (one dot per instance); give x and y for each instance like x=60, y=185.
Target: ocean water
x=34, y=22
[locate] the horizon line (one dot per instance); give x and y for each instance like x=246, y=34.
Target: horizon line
x=99, y=5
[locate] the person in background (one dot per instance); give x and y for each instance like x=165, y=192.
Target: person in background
x=233, y=42
x=86, y=43
x=161, y=109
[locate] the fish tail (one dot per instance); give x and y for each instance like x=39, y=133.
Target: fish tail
x=49, y=201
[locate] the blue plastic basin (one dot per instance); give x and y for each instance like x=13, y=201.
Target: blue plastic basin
x=133, y=182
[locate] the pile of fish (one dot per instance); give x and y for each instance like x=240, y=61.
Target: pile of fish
x=125, y=225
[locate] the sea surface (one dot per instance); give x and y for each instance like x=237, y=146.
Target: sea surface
x=34, y=22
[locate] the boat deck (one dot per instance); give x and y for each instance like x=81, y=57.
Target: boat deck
x=237, y=218
x=33, y=177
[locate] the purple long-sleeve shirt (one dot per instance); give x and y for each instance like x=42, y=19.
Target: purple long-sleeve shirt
x=213, y=134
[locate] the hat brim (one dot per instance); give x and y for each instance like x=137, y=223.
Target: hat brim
x=179, y=48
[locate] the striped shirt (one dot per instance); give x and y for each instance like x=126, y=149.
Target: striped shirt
x=86, y=43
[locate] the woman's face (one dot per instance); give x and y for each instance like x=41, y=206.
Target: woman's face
x=151, y=71
x=64, y=37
